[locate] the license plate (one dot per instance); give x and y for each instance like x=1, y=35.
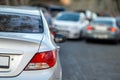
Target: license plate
x=4, y=61
x=101, y=28
x=101, y=36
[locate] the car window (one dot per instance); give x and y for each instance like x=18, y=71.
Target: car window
x=68, y=17
x=20, y=23
x=103, y=22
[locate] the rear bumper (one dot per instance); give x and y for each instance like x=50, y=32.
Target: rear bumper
x=70, y=35
x=73, y=36
x=102, y=36
x=54, y=73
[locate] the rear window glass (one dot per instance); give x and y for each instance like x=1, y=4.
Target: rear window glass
x=68, y=17
x=21, y=23
x=102, y=22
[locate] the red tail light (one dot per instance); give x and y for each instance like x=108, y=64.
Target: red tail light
x=42, y=60
x=53, y=33
x=89, y=28
x=112, y=29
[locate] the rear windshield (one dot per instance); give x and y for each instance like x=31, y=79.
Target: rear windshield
x=103, y=22
x=68, y=17
x=21, y=23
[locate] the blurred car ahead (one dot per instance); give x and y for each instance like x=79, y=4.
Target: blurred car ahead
x=70, y=24
x=48, y=17
x=53, y=9
x=104, y=28
x=27, y=50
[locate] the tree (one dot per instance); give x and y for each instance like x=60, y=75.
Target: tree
x=7, y=2
x=118, y=4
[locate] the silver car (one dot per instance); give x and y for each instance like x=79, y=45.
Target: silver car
x=27, y=50
x=103, y=28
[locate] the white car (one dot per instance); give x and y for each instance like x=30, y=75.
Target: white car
x=27, y=50
x=70, y=24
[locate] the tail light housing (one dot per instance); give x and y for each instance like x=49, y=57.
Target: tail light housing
x=89, y=28
x=112, y=29
x=42, y=60
x=53, y=33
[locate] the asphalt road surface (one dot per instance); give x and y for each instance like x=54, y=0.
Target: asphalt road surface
x=90, y=61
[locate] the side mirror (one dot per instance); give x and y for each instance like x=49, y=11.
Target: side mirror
x=59, y=38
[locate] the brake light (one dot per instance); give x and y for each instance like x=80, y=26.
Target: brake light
x=112, y=29
x=42, y=60
x=89, y=28
x=53, y=33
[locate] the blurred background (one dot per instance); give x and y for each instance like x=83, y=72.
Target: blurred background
x=99, y=6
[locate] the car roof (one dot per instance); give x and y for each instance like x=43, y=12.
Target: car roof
x=20, y=10
x=106, y=18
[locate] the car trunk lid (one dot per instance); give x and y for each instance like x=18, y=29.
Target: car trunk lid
x=16, y=51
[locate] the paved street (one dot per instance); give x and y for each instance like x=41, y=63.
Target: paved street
x=90, y=61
